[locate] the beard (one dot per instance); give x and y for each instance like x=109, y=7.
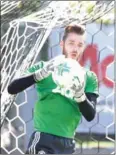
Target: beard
x=64, y=52
x=67, y=53
x=77, y=57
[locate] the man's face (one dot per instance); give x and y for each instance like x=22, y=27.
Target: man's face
x=73, y=46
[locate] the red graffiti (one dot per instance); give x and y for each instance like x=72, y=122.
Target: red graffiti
x=91, y=54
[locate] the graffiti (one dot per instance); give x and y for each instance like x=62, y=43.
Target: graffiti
x=91, y=54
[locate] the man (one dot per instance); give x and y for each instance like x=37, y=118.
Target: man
x=56, y=117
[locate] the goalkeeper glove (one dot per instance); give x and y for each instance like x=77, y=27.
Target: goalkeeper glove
x=78, y=93
x=75, y=93
x=48, y=68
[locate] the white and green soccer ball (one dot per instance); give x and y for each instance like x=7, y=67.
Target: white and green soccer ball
x=68, y=76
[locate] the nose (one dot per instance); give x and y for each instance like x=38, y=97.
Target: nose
x=75, y=49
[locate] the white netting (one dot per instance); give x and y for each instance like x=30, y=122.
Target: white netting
x=80, y=11
x=6, y=7
x=21, y=47
x=25, y=37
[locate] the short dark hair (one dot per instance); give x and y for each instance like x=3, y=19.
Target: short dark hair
x=78, y=29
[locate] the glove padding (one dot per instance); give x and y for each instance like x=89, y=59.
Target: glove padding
x=75, y=93
x=48, y=68
x=78, y=93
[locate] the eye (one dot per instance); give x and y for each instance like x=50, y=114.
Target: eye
x=80, y=45
x=71, y=43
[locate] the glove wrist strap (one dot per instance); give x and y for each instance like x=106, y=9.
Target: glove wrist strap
x=81, y=98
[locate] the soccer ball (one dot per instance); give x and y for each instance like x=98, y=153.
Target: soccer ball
x=68, y=74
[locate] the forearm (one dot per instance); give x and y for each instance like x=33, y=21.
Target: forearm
x=87, y=108
x=20, y=84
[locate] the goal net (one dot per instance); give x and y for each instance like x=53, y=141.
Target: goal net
x=25, y=33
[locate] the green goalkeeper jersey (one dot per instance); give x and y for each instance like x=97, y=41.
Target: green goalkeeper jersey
x=54, y=113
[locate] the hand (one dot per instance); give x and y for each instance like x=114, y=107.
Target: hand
x=48, y=68
x=78, y=92
x=74, y=92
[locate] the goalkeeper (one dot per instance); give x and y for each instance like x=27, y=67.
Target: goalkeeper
x=56, y=117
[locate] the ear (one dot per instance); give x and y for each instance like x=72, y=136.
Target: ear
x=61, y=43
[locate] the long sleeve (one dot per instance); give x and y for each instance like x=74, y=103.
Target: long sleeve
x=88, y=107
x=20, y=84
